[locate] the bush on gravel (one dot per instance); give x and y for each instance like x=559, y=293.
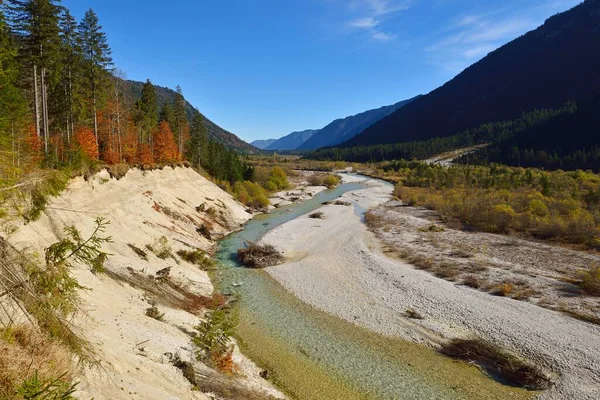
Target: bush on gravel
x=256, y=256
x=498, y=363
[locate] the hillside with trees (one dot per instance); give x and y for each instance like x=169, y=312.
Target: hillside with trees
x=543, y=69
x=63, y=105
x=166, y=95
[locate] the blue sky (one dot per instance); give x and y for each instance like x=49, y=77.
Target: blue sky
x=265, y=68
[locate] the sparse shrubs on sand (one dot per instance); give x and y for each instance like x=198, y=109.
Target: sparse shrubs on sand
x=154, y=312
x=197, y=257
x=413, y=314
x=504, y=289
x=317, y=215
x=591, y=281
x=474, y=281
x=498, y=363
x=342, y=203
x=161, y=248
x=432, y=228
x=257, y=256
x=140, y=253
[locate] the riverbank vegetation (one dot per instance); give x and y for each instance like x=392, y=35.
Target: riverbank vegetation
x=257, y=256
x=562, y=206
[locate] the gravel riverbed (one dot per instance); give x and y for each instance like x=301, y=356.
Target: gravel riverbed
x=336, y=265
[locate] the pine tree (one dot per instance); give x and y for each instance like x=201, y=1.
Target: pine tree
x=148, y=112
x=166, y=114
x=35, y=22
x=71, y=60
x=97, y=60
x=180, y=124
x=197, y=148
x=13, y=108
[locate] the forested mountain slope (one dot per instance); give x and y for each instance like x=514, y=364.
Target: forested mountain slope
x=344, y=129
x=545, y=68
x=164, y=95
x=568, y=140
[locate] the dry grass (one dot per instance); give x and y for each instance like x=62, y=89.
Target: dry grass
x=474, y=281
x=432, y=228
x=317, y=215
x=413, y=314
x=25, y=353
x=140, y=253
x=154, y=312
x=498, y=363
x=256, y=256
x=591, y=281
x=503, y=289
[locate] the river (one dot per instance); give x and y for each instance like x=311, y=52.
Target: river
x=313, y=355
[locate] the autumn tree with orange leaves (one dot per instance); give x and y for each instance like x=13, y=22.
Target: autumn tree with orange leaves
x=165, y=147
x=87, y=142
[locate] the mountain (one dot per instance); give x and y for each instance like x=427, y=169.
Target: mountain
x=163, y=94
x=263, y=144
x=545, y=68
x=344, y=129
x=293, y=140
x=567, y=140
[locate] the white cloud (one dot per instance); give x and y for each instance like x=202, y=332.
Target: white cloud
x=473, y=36
x=365, y=23
x=372, y=14
x=382, y=36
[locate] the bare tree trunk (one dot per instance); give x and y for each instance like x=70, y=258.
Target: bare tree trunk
x=95, y=121
x=45, y=111
x=36, y=101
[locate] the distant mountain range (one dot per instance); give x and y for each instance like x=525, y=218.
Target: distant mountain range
x=292, y=141
x=263, y=144
x=335, y=133
x=163, y=94
x=545, y=68
x=345, y=129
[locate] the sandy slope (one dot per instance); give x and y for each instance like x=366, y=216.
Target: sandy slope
x=134, y=349
x=336, y=266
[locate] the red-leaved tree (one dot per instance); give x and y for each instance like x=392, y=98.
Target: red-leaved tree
x=165, y=148
x=87, y=141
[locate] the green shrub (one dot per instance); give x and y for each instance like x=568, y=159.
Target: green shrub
x=251, y=195
x=332, y=181
x=161, y=248
x=591, y=281
x=197, y=257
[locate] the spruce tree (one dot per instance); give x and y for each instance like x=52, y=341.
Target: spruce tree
x=148, y=112
x=180, y=123
x=35, y=23
x=13, y=108
x=97, y=60
x=71, y=59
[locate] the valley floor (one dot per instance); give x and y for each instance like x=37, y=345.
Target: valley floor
x=337, y=265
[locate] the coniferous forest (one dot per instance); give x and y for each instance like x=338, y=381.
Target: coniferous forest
x=63, y=104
